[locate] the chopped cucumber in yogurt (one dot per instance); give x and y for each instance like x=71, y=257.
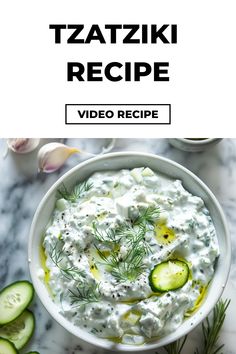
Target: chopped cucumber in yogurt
x=131, y=251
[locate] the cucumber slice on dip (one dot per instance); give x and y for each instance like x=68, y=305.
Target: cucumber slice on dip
x=169, y=275
x=20, y=330
x=14, y=299
x=7, y=347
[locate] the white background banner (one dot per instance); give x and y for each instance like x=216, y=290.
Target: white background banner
x=34, y=86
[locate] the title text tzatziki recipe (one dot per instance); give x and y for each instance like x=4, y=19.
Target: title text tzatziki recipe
x=128, y=254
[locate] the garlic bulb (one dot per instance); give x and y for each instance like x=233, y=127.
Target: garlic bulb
x=53, y=155
x=22, y=145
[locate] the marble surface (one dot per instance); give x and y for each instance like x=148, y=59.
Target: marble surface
x=21, y=189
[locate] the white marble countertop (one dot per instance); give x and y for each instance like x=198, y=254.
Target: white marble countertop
x=21, y=189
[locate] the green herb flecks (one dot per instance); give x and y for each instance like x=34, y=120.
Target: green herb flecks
x=69, y=272
x=76, y=193
x=85, y=294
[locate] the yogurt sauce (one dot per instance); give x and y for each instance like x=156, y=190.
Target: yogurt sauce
x=104, y=239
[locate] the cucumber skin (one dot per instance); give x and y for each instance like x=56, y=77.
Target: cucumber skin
x=32, y=353
x=30, y=333
x=155, y=289
x=32, y=330
x=14, y=350
x=30, y=299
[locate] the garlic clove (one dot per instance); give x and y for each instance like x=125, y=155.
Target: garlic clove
x=52, y=156
x=22, y=145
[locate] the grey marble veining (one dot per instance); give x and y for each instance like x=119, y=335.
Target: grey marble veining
x=21, y=189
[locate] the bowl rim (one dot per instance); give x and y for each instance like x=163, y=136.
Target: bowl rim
x=85, y=336
x=196, y=142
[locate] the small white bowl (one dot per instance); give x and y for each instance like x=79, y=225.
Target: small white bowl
x=194, y=145
x=116, y=161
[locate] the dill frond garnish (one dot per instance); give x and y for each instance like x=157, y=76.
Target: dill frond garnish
x=76, y=193
x=109, y=235
x=112, y=260
x=69, y=272
x=149, y=215
x=127, y=265
x=136, y=238
x=85, y=294
x=130, y=265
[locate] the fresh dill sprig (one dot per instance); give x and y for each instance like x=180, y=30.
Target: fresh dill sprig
x=70, y=272
x=129, y=266
x=85, y=294
x=106, y=235
x=76, y=192
x=137, y=239
x=147, y=216
x=126, y=231
x=111, y=260
x=211, y=328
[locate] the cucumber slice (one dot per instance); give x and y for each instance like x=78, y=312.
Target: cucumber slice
x=20, y=330
x=14, y=299
x=169, y=275
x=7, y=347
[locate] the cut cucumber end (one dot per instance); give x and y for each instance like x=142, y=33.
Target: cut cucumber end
x=20, y=330
x=169, y=275
x=7, y=347
x=14, y=299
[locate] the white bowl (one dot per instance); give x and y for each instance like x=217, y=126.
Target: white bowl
x=194, y=145
x=130, y=160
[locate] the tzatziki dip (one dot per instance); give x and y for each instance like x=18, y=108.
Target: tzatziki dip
x=128, y=254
